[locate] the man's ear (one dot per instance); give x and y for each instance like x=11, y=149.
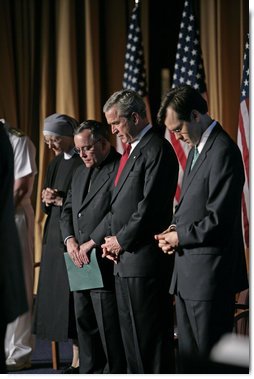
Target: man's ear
x=195, y=116
x=134, y=117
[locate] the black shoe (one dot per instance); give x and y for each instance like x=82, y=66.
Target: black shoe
x=71, y=370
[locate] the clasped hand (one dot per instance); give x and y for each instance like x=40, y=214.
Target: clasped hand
x=51, y=197
x=79, y=254
x=167, y=241
x=111, y=249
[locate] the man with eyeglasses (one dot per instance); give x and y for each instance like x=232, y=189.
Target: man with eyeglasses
x=205, y=235
x=87, y=203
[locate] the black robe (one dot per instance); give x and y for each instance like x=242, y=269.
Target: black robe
x=54, y=317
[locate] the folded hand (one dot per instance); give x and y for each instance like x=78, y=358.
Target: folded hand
x=111, y=248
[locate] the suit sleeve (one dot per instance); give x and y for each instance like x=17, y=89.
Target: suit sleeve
x=154, y=211
x=66, y=220
x=102, y=230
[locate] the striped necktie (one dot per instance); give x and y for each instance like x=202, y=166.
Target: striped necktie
x=123, y=161
x=195, y=156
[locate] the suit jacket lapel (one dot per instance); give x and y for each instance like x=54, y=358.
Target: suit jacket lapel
x=83, y=180
x=135, y=154
x=98, y=182
x=189, y=175
x=187, y=169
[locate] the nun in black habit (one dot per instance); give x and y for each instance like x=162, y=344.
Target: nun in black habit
x=54, y=317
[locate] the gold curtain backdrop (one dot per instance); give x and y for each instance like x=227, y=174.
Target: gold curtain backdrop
x=68, y=56
x=223, y=28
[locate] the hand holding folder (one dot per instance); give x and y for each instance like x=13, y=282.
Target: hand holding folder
x=86, y=277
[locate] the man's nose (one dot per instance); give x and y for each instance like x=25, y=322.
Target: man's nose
x=83, y=153
x=113, y=129
x=178, y=136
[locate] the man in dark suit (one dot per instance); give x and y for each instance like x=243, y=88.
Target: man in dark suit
x=141, y=204
x=206, y=231
x=87, y=202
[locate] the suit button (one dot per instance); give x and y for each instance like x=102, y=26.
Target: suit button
x=80, y=231
x=79, y=215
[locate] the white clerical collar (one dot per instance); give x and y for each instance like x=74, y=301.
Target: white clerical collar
x=69, y=155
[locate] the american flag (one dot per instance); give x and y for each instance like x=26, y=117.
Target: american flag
x=134, y=77
x=134, y=68
x=189, y=70
x=243, y=139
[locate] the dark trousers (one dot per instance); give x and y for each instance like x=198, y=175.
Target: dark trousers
x=201, y=324
x=100, y=343
x=146, y=320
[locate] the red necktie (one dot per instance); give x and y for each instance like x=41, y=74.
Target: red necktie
x=123, y=161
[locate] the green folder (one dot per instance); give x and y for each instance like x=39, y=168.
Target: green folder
x=86, y=277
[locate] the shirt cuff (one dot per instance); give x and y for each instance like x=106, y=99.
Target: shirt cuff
x=65, y=241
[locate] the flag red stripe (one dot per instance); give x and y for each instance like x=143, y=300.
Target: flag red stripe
x=243, y=140
x=179, y=151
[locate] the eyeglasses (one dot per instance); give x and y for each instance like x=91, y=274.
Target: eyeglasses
x=54, y=141
x=85, y=148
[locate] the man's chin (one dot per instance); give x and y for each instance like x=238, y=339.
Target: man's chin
x=88, y=164
x=123, y=140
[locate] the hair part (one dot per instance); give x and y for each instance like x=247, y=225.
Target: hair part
x=183, y=100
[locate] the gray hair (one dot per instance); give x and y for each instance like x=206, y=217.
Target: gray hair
x=126, y=101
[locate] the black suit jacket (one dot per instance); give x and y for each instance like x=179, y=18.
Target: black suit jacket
x=142, y=206
x=81, y=215
x=208, y=222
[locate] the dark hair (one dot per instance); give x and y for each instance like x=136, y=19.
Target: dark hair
x=183, y=99
x=127, y=102
x=98, y=129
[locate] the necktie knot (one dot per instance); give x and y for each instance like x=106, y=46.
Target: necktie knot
x=127, y=149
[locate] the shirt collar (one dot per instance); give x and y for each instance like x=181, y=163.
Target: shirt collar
x=140, y=136
x=205, y=136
